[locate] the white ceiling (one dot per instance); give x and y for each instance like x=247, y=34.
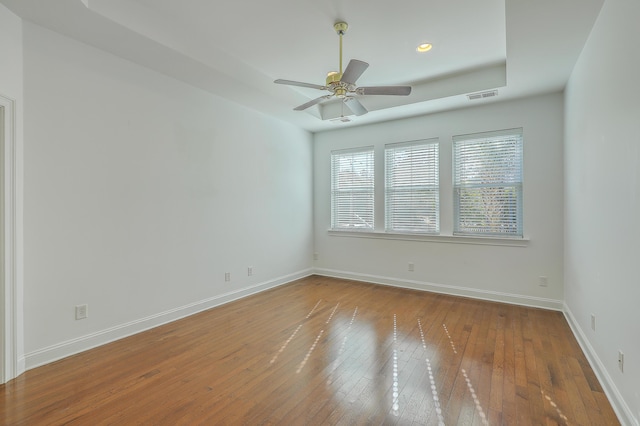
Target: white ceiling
x=236, y=49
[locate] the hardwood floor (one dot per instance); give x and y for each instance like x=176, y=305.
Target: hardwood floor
x=326, y=351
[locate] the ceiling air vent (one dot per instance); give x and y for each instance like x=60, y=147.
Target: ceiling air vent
x=340, y=120
x=482, y=95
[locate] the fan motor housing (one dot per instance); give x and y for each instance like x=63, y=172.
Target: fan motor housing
x=333, y=77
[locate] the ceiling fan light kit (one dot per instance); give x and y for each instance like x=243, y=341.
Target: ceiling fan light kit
x=342, y=85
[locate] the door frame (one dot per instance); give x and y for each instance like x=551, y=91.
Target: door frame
x=10, y=256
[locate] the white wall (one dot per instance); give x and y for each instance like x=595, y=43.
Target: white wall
x=11, y=98
x=141, y=192
x=10, y=54
x=486, y=271
x=602, y=163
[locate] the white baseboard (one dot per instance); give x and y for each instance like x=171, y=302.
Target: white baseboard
x=22, y=365
x=624, y=413
x=493, y=296
x=99, y=338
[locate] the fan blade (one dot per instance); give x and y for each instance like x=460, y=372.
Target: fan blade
x=355, y=106
x=311, y=103
x=385, y=90
x=298, y=83
x=354, y=71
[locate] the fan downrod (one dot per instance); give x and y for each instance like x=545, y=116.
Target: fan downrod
x=333, y=77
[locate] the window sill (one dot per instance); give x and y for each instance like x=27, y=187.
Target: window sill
x=433, y=238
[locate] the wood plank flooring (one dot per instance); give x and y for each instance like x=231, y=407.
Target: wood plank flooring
x=324, y=351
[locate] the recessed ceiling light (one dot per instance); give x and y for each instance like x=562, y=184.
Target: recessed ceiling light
x=424, y=47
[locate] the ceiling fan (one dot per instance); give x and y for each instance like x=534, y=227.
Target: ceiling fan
x=343, y=85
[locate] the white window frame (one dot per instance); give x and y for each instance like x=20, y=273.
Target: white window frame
x=506, y=145
x=412, y=187
x=353, y=197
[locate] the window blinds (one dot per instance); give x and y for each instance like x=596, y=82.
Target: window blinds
x=488, y=183
x=411, y=187
x=352, y=189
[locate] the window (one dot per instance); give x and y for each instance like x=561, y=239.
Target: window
x=352, y=189
x=411, y=187
x=488, y=183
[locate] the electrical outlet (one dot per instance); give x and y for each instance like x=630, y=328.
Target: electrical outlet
x=621, y=361
x=543, y=281
x=227, y=276
x=411, y=267
x=315, y=256
x=593, y=322
x=250, y=271
x=82, y=312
